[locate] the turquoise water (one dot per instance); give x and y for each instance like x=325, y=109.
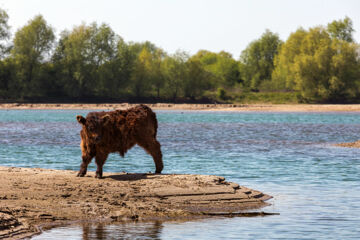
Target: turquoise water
x=316, y=186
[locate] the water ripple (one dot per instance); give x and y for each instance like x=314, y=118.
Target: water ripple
x=316, y=186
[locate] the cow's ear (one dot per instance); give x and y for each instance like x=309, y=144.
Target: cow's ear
x=106, y=119
x=81, y=119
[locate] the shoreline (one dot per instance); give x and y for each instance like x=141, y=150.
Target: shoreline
x=196, y=107
x=33, y=199
x=355, y=144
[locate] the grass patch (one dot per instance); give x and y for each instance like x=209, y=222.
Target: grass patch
x=266, y=97
x=243, y=97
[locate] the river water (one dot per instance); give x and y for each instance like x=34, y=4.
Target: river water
x=316, y=186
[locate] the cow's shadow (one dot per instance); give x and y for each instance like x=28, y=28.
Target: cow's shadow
x=130, y=176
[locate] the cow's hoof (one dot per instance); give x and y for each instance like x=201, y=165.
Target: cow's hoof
x=80, y=175
x=98, y=176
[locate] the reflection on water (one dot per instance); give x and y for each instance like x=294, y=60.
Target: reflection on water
x=100, y=231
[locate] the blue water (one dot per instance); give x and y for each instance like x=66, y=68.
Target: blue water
x=316, y=186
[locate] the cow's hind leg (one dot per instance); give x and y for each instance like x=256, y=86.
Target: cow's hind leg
x=152, y=146
x=86, y=159
x=100, y=160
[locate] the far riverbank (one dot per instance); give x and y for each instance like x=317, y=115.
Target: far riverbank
x=196, y=107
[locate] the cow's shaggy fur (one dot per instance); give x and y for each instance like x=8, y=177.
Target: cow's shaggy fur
x=118, y=131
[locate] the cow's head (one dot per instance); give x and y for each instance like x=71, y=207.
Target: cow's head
x=93, y=126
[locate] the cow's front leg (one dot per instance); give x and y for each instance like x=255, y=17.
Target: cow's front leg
x=100, y=160
x=86, y=159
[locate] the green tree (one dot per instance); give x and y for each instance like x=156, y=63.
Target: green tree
x=175, y=73
x=223, y=68
x=125, y=59
x=313, y=64
x=228, y=69
x=257, y=60
x=320, y=67
x=156, y=75
x=341, y=29
x=146, y=72
x=8, y=87
x=32, y=46
x=86, y=59
x=344, y=80
x=104, y=59
x=327, y=69
x=221, y=94
x=196, y=81
x=283, y=75
x=140, y=78
x=4, y=33
x=5, y=65
x=72, y=60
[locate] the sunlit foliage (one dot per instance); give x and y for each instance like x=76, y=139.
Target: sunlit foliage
x=90, y=62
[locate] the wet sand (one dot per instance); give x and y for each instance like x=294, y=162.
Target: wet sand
x=32, y=199
x=204, y=107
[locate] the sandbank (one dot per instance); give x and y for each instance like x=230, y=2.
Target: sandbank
x=33, y=199
x=349, y=144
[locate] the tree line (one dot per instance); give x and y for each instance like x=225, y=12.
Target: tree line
x=92, y=62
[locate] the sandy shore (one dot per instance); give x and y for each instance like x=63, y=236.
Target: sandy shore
x=205, y=107
x=36, y=199
x=349, y=144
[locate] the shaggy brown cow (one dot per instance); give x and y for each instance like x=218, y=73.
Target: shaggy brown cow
x=118, y=131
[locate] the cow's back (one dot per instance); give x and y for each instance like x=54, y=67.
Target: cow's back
x=139, y=118
x=125, y=127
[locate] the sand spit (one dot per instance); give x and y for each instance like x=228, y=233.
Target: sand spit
x=206, y=107
x=33, y=198
x=349, y=144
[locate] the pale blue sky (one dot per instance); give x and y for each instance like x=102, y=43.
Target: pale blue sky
x=188, y=25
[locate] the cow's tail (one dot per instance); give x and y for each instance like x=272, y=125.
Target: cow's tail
x=155, y=122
